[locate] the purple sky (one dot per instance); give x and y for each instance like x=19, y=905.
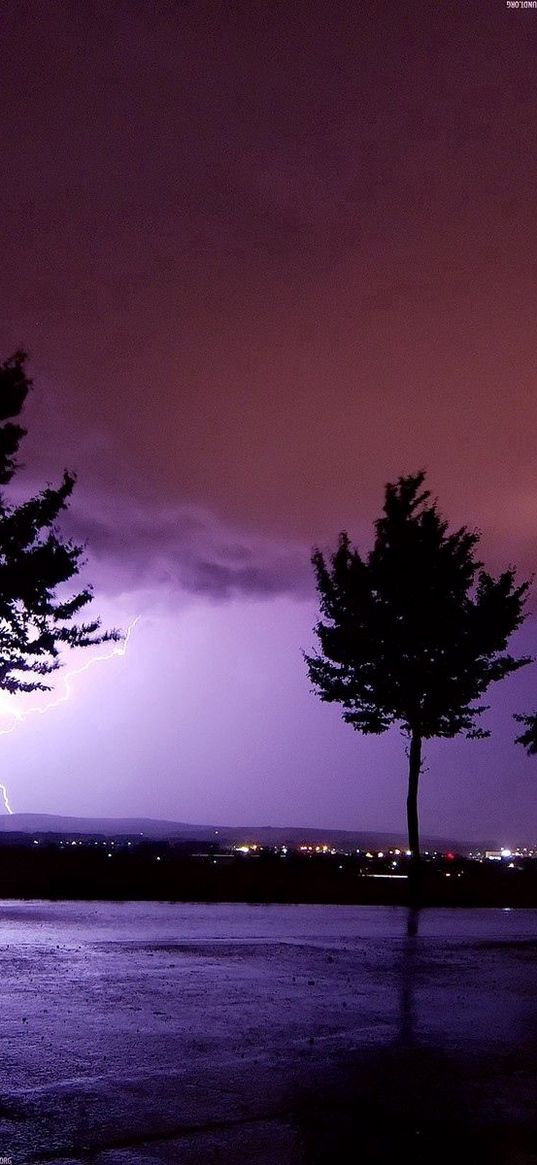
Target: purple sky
x=266, y=256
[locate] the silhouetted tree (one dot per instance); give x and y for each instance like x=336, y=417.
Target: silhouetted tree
x=528, y=738
x=414, y=632
x=37, y=617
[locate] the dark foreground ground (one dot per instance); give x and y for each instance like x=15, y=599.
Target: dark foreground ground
x=268, y=1034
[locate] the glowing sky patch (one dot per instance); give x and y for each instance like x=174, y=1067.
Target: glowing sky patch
x=16, y=714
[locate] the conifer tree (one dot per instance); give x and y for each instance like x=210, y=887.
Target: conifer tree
x=413, y=633
x=38, y=616
x=528, y=738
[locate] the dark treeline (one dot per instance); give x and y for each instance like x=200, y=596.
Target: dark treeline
x=170, y=872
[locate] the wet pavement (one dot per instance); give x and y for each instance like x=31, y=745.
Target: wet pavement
x=153, y=1032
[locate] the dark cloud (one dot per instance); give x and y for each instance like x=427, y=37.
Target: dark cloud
x=131, y=547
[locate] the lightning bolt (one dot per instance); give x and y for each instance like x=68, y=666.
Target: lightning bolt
x=7, y=806
x=20, y=714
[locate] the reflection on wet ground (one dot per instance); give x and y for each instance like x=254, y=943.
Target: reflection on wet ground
x=151, y=1033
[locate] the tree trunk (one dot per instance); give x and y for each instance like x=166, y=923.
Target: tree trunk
x=414, y=769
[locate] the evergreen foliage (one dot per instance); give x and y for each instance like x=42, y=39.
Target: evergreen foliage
x=38, y=617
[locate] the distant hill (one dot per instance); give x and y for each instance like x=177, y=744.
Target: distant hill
x=153, y=829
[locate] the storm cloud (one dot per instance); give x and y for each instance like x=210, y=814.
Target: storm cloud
x=182, y=550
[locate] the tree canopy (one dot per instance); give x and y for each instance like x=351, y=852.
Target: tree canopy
x=528, y=738
x=413, y=632
x=38, y=615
